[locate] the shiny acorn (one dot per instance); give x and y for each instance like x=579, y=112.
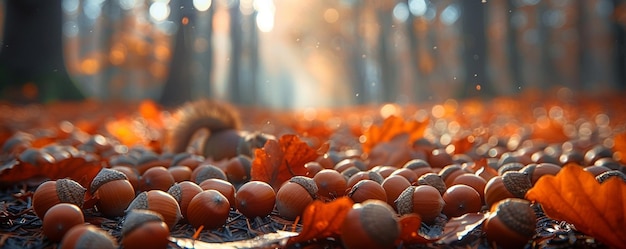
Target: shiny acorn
x=51, y=193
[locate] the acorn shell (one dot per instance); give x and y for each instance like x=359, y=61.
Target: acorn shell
x=371, y=224
x=207, y=171
x=496, y=191
x=113, y=191
x=51, y=193
x=433, y=180
x=461, y=199
x=180, y=173
x=156, y=178
x=394, y=186
x=87, y=236
x=160, y=202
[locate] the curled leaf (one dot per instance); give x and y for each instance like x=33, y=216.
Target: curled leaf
x=574, y=195
x=280, y=160
x=79, y=169
x=321, y=220
x=409, y=229
x=391, y=127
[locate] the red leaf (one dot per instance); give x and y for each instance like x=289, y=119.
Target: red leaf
x=321, y=220
x=391, y=127
x=280, y=160
x=409, y=229
x=574, y=195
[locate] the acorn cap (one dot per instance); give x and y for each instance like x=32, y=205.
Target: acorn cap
x=517, y=215
x=404, y=202
x=176, y=191
x=434, y=180
x=105, y=175
x=140, y=202
x=375, y=176
x=517, y=183
x=70, y=191
x=137, y=217
x=307, y=183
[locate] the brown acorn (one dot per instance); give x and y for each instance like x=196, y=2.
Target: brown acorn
x=183, y=192
x=224, y=187
x=371, y=224
x=394, y=185
x=424, y=200
x=330, y=183
x=160, y=202
x=141, y=224
x=113, y=191
x=511, y=223
x=87, y=236
x=461, y=199
x=434, y=180
x=366, y=190
x=51, y=193
x=294, y=196
x=255, y=199
x=59, y=219
x=156, y=178
x=209, y=208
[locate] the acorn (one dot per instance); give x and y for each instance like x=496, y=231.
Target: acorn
x=366, y=190
x=384, y=170
x=511, y=223
x=448, y=173
x=144, y=229
x=160, y=202
x=424, y=200
x=180, y=173
x=313, y=168
x=51, y=193
x=294, y=196
x=419, y=166
x=394, y=185
x=224, y=187
x=461, y=199
x=183, y=192
x=596, y=170
x=87, y=236
x=348, y=163
x=209, y=208
x=496, y=191
x=371, y=224
x=364, y=175
x=237, y=169
x=131, y=174
x=207, y=171
x=255, y=199
x=59, y=219
x=474, y=181
x=410, y=175
x=536, y=171
x=156, y=178
x=113, y=191
x=434, y=180
x=513, y=166
x=330, y=183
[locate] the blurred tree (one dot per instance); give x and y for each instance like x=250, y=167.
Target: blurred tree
x=32, y=66
x=234, y=82
x=474, y=49
x=178, y=86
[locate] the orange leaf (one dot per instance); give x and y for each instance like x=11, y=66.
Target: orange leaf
x=391, y=127
x=575, y=196
x=151, y=112
x=280, y=160
x=321, y=220
x=409, y=229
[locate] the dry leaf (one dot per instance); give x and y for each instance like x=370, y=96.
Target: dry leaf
x=574, y=195
x=280, y=160
x=459, y=227
x=321, y=220
x=76, y=168
x=409, y=229
x=391, y=127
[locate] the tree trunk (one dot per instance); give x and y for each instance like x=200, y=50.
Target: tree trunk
x=32, y=68
x=475, y=50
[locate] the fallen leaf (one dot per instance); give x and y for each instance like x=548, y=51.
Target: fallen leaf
x=78, y=169
x=548, y=130
x=280, y=160
x=574, y=195
x=409, y=229
x=321, y=220
x=391, y=127
x=457, y=228
x=151, y=112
